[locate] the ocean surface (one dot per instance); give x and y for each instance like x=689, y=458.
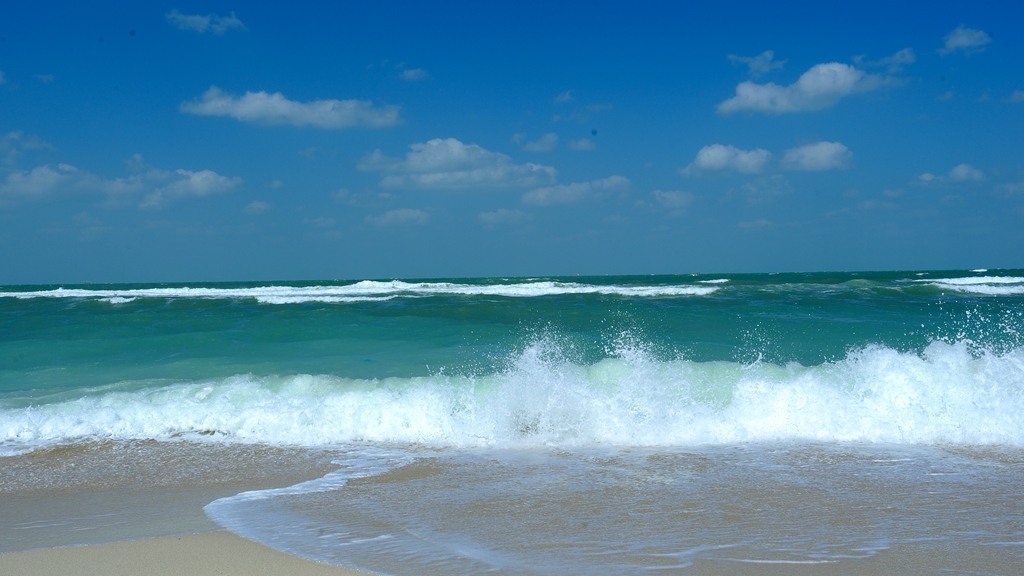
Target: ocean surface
x=718, y=423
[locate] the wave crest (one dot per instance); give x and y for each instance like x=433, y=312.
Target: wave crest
x=947, y=394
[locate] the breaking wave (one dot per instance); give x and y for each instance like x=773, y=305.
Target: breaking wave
x=367, y=290
x=949, y=393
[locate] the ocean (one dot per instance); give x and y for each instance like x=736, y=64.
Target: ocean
x=695, y=424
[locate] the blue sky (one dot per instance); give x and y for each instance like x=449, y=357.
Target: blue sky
x=213, y=141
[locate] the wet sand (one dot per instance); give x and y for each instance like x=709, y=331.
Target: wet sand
x=212, y=553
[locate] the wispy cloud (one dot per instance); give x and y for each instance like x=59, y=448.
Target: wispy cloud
x=821, y=87
x=760, y=223
x=320, y=222
x=764, y=189
x=758, y=65
x=575, y=192
x=503, y=216
x=448, y=164
x=564, y=97
x=256, y=207
x=1017, y=96
x=965, y=39
x=582, y=144
x=413, y=74
x=15, y=143
x=209, y=23
x=893, y=64
x=672, y=200
x=717, y=157
x=545, y=143
x=400, y=217
x=275, y=109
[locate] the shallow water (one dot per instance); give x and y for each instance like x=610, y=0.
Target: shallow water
x=842, y=507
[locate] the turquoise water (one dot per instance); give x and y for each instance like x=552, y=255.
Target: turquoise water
x=639, y=409
x=101, y=361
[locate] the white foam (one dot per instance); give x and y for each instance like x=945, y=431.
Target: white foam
x=369, y=290
x=944, y=395
x=980, y=270
x=987, y=285
x=715, y=281
x=973, y=280
x=6, y=451
x=117, y=300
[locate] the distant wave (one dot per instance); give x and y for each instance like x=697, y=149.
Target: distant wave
x=989, y=285
x=368, y=290
x=946, y=394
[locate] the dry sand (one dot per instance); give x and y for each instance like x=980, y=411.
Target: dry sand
x=206, y=554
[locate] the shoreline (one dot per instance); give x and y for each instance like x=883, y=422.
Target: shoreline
x=204, y=554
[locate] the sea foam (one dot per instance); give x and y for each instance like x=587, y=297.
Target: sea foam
x=949, y=393
x=368, y=290
x=987, y=285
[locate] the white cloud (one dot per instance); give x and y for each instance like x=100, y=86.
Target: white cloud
x=1017, y=96
x=759, y=65
x=717, y=157
x=892, y=63
x=817, y=157
x=400, y=217
x=190, y=184
x=503, y=216
x=45, y=78
x=158, y=186
x=967, y=39
x=673, y=200
x=959, y=173
x=257, y=207
x=518, y=137
x=210, y=22
x=415, y=74
x=965, y=173
x=545, y=143
x=275, y=109
x=564, y=97
x=450, y=164
x=570, y=193
x=820, y=87
x=582, y=144
x=39, y=182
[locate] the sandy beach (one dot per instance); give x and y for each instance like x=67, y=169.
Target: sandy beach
x=211, y=553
